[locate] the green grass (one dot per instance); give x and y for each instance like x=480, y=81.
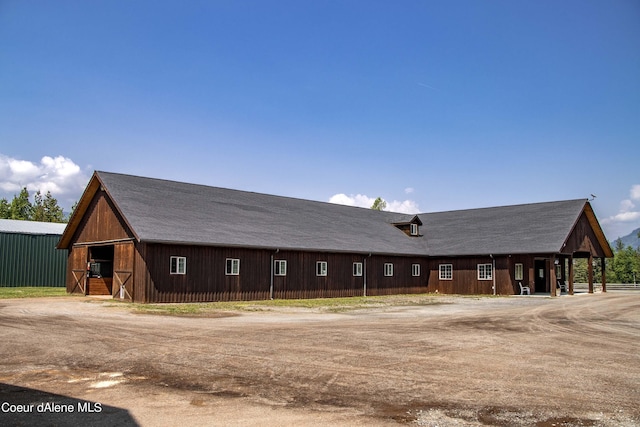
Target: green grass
x=333, y=305
x=32, y=292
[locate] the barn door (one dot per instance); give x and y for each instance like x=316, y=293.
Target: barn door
x=123, y=285
x=77, y=270
x=79, y=281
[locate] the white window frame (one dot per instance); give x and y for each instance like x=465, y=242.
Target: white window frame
x=232, y=267
x=519, y=271
x=178, y=265
x=280, y=267
x=388, y=269
x=357, y=269
x=415, y=270
x=485, y=272
x=445, y=272
x=321, y=268
x=414, y=229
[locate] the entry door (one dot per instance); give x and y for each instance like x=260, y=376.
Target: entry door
x=540, y=274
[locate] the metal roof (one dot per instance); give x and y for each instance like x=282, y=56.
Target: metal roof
x=30, y=227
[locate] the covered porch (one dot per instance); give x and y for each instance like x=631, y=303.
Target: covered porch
x=585, y=241
x=560, y=270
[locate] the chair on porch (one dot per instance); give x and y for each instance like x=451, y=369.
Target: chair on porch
x=562, y=285
x=524, y=289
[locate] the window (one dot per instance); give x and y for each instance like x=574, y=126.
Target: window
x=414, y=229
x=485, y=272
x=280, y=267
x=178, y=265
x=233, y=267
x=321, y=268
x=388, y=269
x=415, y=270
x=357, y=269
x=518, y=272
x=446, y=272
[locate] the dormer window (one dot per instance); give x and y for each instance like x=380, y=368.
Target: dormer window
x=410, y=226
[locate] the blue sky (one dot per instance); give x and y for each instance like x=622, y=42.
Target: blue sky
x=431, y=105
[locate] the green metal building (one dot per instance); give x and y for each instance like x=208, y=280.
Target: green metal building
x=28, y=254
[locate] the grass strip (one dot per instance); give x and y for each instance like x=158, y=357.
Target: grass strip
x=334, y=305
x=32, y=292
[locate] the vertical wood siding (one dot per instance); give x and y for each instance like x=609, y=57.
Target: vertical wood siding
x=141, y=275
x=583, y=239
x=302, y=281
x=101, y=222
x=465, y=276
x=206, y=279
x=402, y=281
x=527, y=262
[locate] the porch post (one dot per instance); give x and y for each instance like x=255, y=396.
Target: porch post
x=552, y=276
x=570, y=274
x=563, y=272
x=590, y=271
x=604, y=275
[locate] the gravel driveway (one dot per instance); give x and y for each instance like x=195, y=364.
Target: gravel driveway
x=504, y=361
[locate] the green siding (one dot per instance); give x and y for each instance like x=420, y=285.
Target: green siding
x=31, y=260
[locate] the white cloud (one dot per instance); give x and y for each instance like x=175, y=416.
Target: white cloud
x=405, y=206
x=622, y=217
x=409, y=190
x=626, y=206
x=358, y=200
x=59, y=175
x=363, y=201
x=628, y=216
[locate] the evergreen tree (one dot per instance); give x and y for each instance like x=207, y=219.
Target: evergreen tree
x=38, y=213
x=21, y=207
x=73, y=209
x=44, y=208
x=52, y=212
x=5, y=209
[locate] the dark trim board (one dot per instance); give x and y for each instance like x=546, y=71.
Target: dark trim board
x=225, y=244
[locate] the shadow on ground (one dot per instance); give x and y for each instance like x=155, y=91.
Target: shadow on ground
x=21, y=406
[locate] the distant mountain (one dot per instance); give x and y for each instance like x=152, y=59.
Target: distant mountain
x=630, y=239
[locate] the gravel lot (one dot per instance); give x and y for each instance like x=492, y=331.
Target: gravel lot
x=567, y=361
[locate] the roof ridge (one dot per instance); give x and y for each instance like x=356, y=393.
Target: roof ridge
x=506, y=206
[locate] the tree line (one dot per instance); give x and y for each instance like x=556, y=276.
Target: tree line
x=624, y=267
x=44, y=208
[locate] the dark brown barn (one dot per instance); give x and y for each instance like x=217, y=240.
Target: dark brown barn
x=150, y=240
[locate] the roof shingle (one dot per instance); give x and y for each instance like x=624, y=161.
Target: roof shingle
x=176, y=212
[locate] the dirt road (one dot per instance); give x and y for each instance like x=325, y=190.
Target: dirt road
x=461, y=362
